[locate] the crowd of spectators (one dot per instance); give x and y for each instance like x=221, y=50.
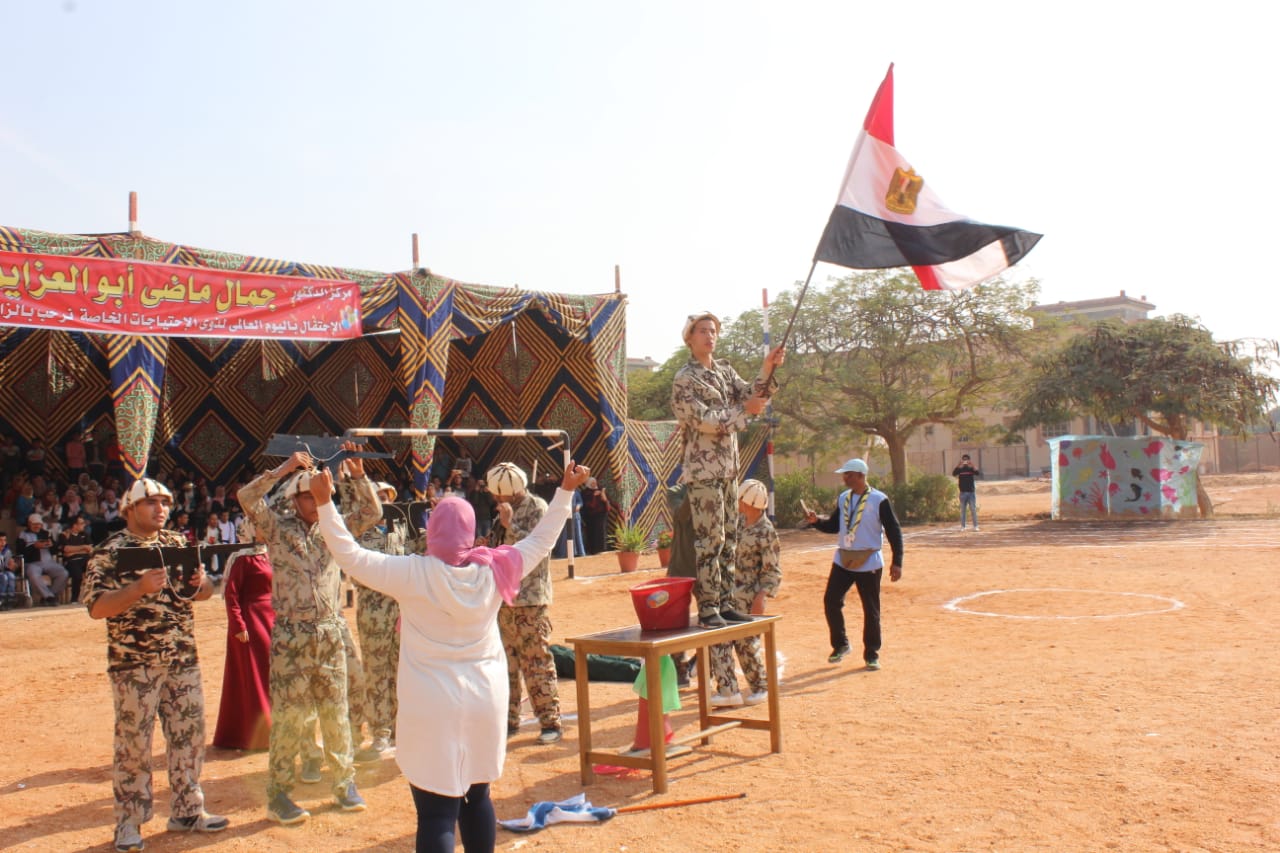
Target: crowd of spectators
x=54, y=514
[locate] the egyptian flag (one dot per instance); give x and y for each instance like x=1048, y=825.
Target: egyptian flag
x=887, y=216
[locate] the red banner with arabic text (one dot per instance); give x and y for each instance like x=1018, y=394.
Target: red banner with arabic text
x=124, y=297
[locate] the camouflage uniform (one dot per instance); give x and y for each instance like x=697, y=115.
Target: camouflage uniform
x=153, y=670
x=376, y=618
x=308, y=652
x=758, y=570
x=709, y=407
x=525, y=626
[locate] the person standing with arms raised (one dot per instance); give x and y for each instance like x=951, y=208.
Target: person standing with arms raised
x=450, y=740
x=713, y=404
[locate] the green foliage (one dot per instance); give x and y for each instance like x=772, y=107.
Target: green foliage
x=874, y=354
x=929, y=497
x=649, y=394
x=629, y=537
x=664, y=539
x=1164, y=373
x=790, y=489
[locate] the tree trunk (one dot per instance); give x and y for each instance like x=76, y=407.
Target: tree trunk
x=897, y=459
x=1203, y=500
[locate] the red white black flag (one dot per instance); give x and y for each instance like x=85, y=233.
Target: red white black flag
x=888, y=216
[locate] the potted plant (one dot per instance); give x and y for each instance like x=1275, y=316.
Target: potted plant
x=629, y=540
x=663, y=544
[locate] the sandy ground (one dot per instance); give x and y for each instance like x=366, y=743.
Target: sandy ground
x=1046, y=687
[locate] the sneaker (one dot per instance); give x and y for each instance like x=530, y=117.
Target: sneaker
x=350, y=799
x=975, y=528
x=512, y=731
x=128, y=838
x=310, y=771
x=550, y=736
x=731, y=615
x=756, y=697
x=373, y=752
x=203, y=822
x=872, y=664
x=719, y=700
x=715, y=620
x=838, y=655
x=285, y=811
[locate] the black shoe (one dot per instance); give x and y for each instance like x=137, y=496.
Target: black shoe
x=512, y=731
x=50, y=602
x=731, y=615
x=839, y=654
x=715, y=620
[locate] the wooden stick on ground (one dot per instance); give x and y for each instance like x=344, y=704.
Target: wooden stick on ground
x=644, y=807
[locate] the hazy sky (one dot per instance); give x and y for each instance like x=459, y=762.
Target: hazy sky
x=698, y=145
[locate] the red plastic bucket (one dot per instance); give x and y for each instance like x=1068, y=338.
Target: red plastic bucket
x=663, y=604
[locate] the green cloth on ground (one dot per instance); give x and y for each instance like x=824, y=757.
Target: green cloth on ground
x=667, y=677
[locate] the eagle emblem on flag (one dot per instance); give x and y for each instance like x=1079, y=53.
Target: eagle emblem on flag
x=903, y=190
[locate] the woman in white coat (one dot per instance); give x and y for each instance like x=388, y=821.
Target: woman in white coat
x=452, y=677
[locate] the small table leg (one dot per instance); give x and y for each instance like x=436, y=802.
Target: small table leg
x=657, y=735
x=771, y=677
x=584, y=719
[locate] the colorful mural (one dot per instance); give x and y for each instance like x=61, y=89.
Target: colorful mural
x=1102, y=476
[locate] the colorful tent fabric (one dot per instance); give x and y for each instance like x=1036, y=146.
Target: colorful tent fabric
x=427, y=360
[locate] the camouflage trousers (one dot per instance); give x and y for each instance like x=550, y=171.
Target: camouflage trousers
x=308, y=681
x=357, y=696
x=750, y=651
x=714, y=507
x=526, y=636
x=176, y=695
x=376, y=618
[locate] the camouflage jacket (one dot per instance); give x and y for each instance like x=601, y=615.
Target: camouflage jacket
x=757, y=566
x=536, y=587
x=306, y=584
x=708, y=404
x=159, y=629
x=385, y=539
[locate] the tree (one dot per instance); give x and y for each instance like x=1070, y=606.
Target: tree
x=649, y=394
x=1165, y=373
x=874, y=354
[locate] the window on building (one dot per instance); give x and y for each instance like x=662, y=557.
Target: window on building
x=1054, y=430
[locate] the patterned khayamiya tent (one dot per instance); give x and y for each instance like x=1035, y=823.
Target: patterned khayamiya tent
x=434, y=353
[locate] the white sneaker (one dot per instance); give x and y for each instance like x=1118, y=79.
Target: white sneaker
x=757, y=697
x=719, y=700
x=975, y=528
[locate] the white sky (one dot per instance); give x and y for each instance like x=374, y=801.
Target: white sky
x=699, y=144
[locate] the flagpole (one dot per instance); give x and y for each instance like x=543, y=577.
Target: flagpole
x=787, y=334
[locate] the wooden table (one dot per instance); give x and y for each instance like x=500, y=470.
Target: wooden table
x=650, y=646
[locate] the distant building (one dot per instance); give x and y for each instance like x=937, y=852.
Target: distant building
x=1083, y=311
x=646, y=364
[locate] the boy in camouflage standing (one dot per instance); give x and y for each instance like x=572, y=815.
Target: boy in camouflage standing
x=757, y=576
x=153, y=669
x=308, y=655
x=376, y=618
x=525, y=624
x=713, y=403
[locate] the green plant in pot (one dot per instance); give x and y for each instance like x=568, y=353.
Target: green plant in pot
x=663, y=544
x=629, y=540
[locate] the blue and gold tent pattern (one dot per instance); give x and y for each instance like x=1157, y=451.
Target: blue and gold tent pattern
x=436, y=352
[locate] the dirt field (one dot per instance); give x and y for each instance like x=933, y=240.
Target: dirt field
x=1046, y=687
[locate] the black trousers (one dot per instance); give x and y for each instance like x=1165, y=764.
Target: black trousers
x=472, y=814
x=868, y=583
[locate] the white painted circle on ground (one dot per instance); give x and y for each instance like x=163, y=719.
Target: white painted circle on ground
x=962, y=604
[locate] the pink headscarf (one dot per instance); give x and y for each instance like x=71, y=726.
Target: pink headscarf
x=451, y=537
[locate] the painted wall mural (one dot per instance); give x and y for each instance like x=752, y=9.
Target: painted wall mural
x=1101, y=476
